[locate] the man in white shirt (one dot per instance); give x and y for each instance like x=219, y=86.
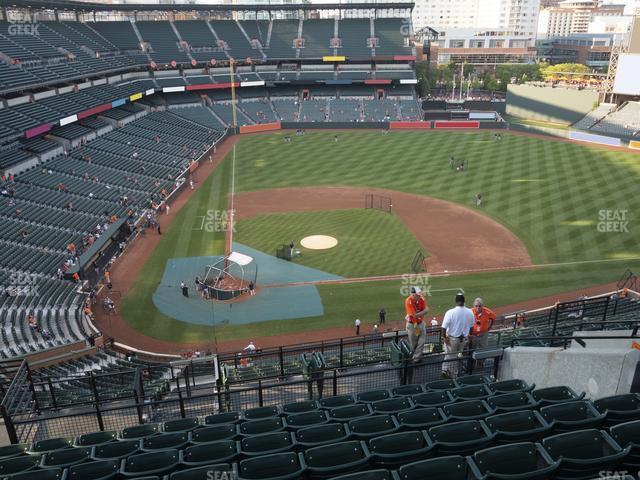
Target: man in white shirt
x=251, y=348
x=456, y=326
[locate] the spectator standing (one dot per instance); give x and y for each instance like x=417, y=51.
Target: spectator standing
x=382, y=316
x=456, y=326
x=483, y=321
x=416, y=307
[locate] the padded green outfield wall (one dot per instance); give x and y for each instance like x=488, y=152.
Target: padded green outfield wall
x=559, y=104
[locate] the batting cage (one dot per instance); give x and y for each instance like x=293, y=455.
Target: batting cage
x=378, y=202
x=229, y=277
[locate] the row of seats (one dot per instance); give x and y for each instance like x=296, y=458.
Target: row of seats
x=59, y=52
x=17, y=119
x=624, y=121
x=273, y=443
x=623, y=311
x=68, y=383
x=39, y=218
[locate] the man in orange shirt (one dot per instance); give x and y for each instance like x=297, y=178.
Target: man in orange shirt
x=483, y=321
x=416, y=308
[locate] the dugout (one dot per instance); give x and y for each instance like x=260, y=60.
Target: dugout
x=100, y=252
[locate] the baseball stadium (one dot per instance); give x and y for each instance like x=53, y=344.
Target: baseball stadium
x=311, y=241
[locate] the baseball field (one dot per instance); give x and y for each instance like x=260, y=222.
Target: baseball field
x=555, y=217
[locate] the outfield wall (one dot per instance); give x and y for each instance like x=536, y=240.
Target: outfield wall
x=549, y=104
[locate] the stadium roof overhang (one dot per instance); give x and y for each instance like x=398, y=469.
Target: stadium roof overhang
x=144, y=7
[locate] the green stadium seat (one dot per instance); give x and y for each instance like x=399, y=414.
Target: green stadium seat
x=393, y=405
x=522, y=461
x=220, y=418
x=264, y=425
x=267, y=443
x=452, y=467
x=153, y=463
x=520, y=426
x=224, y=431
x=379, y=474
x=261, y=412
x=19, y=464
x=140, y=431
x=421, y=418
x=584, y=453
x=300, y=407
x=66, y=457
x=470, y=392
x=14, y=450
x=279, y=466
x=373, y=395
x=44, y=474
x=551, y=395
x=224, y=451
x=322, y=434
x=306, y=419
x=407, y=390
x=368, y=427
x=461, y=437
x=439, y=385
x=392, y=451
x=350, y=412
x=433, y=399
x=508, y=386
x=165, y=441
x=181, y=425
x=95, y=438
x=620, y=408
x=337, y=459
x=570, y=416
x=115, y=450
x=337, y=401
x=469, y=410
x=628, y=435
x=51, y=444
x=473, y=380
x=204, y=472
x=96, y=470
x=511, y=402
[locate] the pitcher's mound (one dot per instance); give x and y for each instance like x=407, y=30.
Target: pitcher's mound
x=318, y=242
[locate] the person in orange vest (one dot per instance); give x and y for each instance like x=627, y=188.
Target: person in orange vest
x=483, y=321
x=416, y=307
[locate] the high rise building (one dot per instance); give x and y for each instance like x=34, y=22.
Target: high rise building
x=518, y=17
x=574, y=16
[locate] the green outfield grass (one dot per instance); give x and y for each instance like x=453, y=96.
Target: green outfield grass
x=370, y=242
x=551, y=194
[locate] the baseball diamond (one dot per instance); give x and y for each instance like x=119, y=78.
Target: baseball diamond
x=310, y=241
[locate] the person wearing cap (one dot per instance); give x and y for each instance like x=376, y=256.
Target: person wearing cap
x=483, y=321
x=456, y=325
x=416, y=308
